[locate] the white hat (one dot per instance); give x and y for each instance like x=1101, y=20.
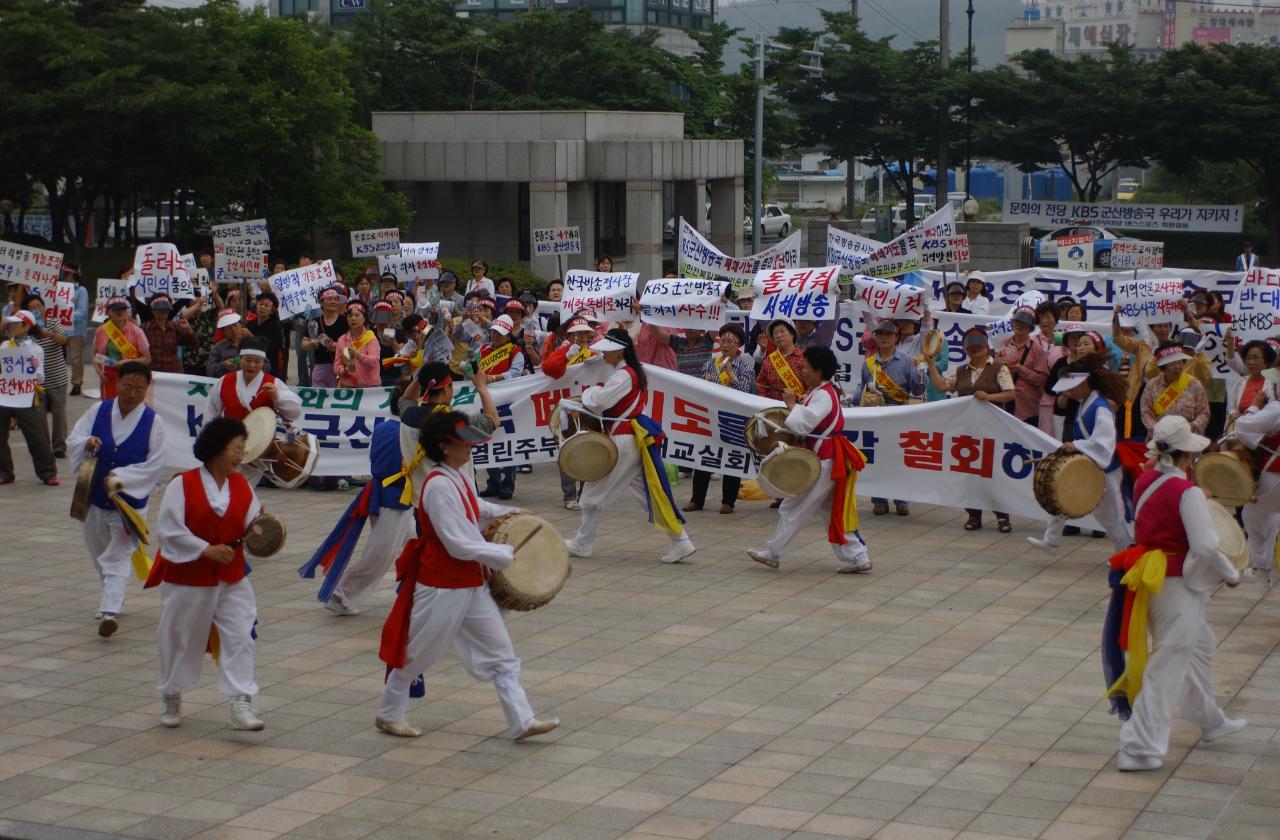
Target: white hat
x=22, y=316
x=1173, y=434
x=1172, y=353
x=607, y=345
x=503, y=324
x=579, y=325
x=1069, y=381
x=227, y=317
x=745, y=293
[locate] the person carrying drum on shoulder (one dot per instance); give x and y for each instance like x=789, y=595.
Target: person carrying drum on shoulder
x=983, y=378
x=128, y=441
x=575, y=350
x=249, y=387
x=206, y=600
x=620, y=402
x=820, y=418
x=889, y=377
x=1259, y=427
x=1170, y=573
x=444, y=600
x=1098, y=391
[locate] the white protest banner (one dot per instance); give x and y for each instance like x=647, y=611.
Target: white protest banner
x=939, y=224
x=108, y=289
x=1130, y=253
x=696, y=257
x=34, y=267
x=1075, y=252
x=1255, y=310
x=552, y=242
x=61, y=305
x=158, y=268
x=251, y=232
x=684, y=304
x=375, y=243
x=240, y=263
x=19, y=370
x=1205, y=218
x=891, y=259
x=605, y=295
x=1155, y=301
x=200, y=286
x=416, y=261
x=848, y=250
x=944, y=250
x=297, y=288
x=801, y=294
x=888, y=298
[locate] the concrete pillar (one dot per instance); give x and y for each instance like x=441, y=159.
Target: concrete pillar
x=689, y=204
x=644, y=228
x=726, y=215
x=548, y=207
x=582, y=213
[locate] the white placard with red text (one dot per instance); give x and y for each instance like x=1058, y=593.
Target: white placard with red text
x=603, y=294
x=1075, y=252
x=19, y=371
x=240, y=262
x=34, y=267
x=1255, y=309
x=801, y=294
x=61, y=306
x=1130, y=253
x=416, y=261
x=108, y=289
x=553, y=242
x=696, y=257
x=248, y=232
x=384, y=242
x=297, y=288
x=888, y=298
x=158, y=269
x=684, y=304
x=1155, y=301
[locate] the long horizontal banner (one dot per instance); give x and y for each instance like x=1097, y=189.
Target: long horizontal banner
x=1205, y=218
x=954, y=452
x=696, y=257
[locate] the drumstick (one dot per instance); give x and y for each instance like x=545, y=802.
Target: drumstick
x=525, y=541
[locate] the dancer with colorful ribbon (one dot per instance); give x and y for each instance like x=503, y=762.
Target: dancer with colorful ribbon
x=1164, y=583
x=620, y=403
x=128, y=441
x=821, y=420
x=444, y=600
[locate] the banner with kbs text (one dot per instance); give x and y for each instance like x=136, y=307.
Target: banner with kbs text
x=684, y=304
x=1205, y=218
x=696, y=257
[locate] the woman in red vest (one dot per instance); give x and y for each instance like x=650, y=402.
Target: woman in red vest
x=207, y=602
x=444, y=598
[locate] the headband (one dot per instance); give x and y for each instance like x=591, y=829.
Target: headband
x=252, y=352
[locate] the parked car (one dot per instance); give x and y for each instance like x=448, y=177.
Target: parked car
x=897, y=220
x=1046, y=247
x=773, y=222
x=1126, y=189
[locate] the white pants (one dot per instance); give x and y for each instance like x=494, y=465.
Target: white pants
x=111, y=546
x=627, y=474
x=796, y=511
x=1262, y=522
x=1179, y=672
x=470, y=621
x=186, y=613
x=388, y=532
x=1109, y=513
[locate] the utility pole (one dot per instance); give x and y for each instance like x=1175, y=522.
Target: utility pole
x=757, y=163
x=944, y=54
x=968, y=105
x=849, y=165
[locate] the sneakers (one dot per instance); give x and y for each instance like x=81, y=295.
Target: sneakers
x=1043, y=545
x=1126, y=763
x=98, y=615
x=399, y=728
x=1223, y=729
x=339, y=605
x=538, y=727
x=846, y=569
x=242, y=716
x=572, y=504
x=107, y=625
x=763, y=555
x=901, y=509
x=172, y=714
x=680, y=549
x=576, y=550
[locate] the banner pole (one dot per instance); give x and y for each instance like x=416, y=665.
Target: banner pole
x=560, y=268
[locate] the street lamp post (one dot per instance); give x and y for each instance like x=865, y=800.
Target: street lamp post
x=968, y=107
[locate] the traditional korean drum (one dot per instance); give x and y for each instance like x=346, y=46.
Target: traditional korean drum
x=84, y=488
x=1068, y=484
x=541, y=564
x=789, y=471
x=261, y=425
x=292, y=458
x=1231, y=538
x=766, y=429
x=586, y=452
x=266, y=535
x=1228, y=475
x=934, y=341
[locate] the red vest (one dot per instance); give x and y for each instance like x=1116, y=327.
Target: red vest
x=1159, y=524
x=231, y=405
x=832, y=424
x=629, y=407
x=213, y=529
x=435, y=565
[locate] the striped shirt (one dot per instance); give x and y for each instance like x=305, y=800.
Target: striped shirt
x=55, y=361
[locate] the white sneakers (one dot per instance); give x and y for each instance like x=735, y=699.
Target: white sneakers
x=538, y=727
x=399, y=728
x=108, y=625
x=172, y=714
x=847, y=569
x=1223, y=729
x=572, y=504
x=1043, y=545
x=242, y=716
x=763, y=556
x=680, y=549
x=576, y=550
x=1126, y=763
x=339, y=605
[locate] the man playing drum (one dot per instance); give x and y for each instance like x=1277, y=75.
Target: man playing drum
x=1259, y=427
x=893, y=377
x=820, y=418
x=576, y=350
x=1098, y=391
x=443, y=599
x=620, y=402
x=247, y=388
x=1168, y=576
x=128, y=441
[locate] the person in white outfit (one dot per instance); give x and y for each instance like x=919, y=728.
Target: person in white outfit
x=1259, y=427
x=1088, y=381
x=1173, y=522
x=617, y=402
x=206, y=600
x=820, y=419
x=248, y=388
x=128, y=441
x=444, y=598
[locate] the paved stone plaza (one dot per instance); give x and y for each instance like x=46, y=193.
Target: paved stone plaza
x=954, y=692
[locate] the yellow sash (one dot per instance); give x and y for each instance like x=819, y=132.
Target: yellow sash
x=359, y=344
x=116, y=336
x=497, y=356
x=1170, y=394
x=406, y=495
x=722, y=369
x=785, y=373
x=581, y=355
x=1144, y=579
x=884, y=383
